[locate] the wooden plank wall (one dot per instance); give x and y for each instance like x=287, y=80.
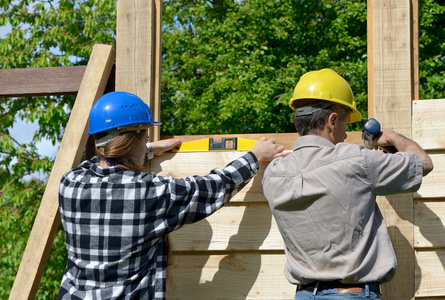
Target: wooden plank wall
x=237, y=253
x=429, y=202
x=390, y=92
x=416, y=222
x=138, y=56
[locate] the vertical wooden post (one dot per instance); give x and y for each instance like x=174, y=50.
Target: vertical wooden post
x=69, y=155
x=370, y=47
x=137, y=52
x=156, y=101
x=415, y=49
x=392, y=80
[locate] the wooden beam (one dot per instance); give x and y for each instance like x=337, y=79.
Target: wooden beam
x=415, y=48
x=155, y=103
x=134, y=55
x=40, y=81
x=391, y=69
x=136, y=66
x=370, y=48
x=390, y=95
x=69, y=155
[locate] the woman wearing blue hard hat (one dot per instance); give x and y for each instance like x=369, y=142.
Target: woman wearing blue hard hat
x=116, y=217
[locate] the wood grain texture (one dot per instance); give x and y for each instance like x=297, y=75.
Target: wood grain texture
x=233, y=227
x=239, y=275
x=155, y=103
x=69, y=155
x=138, y=53
x=391, y=87
x=40, y=81
x=429, y=224
x=430, y=273
x=181, y=165
x=370, y=48
x=428, y=123
x=134, y=48
x=433, y=184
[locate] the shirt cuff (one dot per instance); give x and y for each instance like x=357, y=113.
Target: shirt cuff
x=150, y=153
x=253, y=161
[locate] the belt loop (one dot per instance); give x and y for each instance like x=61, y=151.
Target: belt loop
x=315, y=289
x=367, y=290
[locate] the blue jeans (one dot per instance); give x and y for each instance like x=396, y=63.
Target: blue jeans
x=313, y=293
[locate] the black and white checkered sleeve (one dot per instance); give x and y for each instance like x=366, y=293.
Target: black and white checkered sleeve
x=193, y=198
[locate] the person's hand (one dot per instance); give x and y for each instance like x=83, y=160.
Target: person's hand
x=385, y=139
x=162, y=146
x=265, y=150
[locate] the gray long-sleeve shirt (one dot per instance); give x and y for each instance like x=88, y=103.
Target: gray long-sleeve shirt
x=323, y=199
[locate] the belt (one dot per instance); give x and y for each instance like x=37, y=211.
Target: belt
x=342, y=288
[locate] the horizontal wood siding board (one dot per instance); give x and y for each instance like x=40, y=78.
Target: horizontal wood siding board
x=40, y=81
x=433, y=184
x=228, y=276
x=429, y=224
x=428, y=123
x=430, y=273
x=233, y=227
x=181, y=165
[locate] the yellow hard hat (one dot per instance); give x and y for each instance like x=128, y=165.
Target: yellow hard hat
x=325, y=84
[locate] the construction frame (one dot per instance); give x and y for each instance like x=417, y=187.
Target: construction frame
x=237, y=253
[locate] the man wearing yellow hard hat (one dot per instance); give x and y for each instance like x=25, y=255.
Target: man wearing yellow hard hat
x=323, y=194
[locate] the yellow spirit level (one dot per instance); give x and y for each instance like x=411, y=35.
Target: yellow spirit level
x=211, y=144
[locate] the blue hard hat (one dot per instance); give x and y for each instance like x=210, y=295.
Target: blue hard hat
x=117, y=110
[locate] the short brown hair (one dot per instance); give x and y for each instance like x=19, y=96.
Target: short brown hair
x=315, y=122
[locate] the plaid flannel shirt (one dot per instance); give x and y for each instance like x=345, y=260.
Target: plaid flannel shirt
x=116, y=224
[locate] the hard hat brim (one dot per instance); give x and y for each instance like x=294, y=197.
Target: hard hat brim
x=132, y=127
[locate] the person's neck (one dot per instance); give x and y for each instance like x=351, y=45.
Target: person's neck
x=324, y=134
x=103, y=164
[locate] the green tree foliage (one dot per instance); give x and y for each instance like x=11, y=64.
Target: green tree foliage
x=43, y=34
x=19, y=205
x=229, y=66
x=432, y=49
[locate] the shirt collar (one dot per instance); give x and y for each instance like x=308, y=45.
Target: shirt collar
x=312, y=141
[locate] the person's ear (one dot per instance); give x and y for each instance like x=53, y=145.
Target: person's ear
x=332, y=120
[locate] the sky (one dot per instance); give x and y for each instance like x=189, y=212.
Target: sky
x=23, y=132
